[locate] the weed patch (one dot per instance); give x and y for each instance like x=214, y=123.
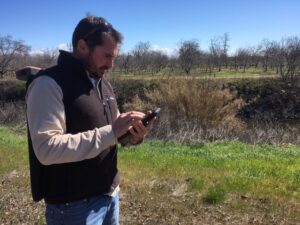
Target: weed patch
x=214, y=195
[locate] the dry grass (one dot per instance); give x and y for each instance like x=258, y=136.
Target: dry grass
x=12, y=113
x=259, y=131
x=155, y=203
x=196, y=110
x=151, y=202
x=193, y=100
x=192, y=110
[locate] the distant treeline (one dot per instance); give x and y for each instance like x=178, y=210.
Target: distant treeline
x=269, y=57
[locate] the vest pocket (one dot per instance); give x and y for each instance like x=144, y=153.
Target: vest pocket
x=113, y=107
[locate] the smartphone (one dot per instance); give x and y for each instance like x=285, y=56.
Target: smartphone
x=125, y=138
x=149, y=117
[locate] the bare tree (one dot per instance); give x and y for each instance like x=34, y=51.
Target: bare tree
x=208, y=62
x=290, y=59
x=269, y=52
x=158, y=61
x=172, y=64
x=141, y=53
x=189, y=54
x=225, y=44
x=215, y=49
x=243, y=57
x=124, y=62
x=44, y=59
x=255, y=58
x=219, y=47
x=10, y=49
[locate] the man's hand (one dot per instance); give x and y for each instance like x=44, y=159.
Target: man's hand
x=139, y=131
x=125, y=121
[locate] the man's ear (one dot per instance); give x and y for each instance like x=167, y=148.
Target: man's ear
x=82, y=47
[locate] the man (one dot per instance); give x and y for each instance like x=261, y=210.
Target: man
x=74, y=126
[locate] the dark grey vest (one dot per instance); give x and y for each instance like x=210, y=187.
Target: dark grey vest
x=85, y=109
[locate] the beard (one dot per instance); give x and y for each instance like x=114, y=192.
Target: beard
x=91, y=67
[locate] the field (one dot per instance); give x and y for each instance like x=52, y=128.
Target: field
x=192, y=170
x=169, y=183
x=199, y=74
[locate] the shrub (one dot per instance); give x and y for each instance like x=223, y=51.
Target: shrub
x=214, y=195
x=12, y=113
x=12, y=90
x=200, y=102
x=126, y=89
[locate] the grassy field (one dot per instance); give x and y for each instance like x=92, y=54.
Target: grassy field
x=224, y=73
x=168, y=183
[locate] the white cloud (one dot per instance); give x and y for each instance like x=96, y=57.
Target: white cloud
x=37, y=51
x=167, y=51
x=64, y=46
x=171, y=52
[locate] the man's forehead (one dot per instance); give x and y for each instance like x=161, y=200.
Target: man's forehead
x=109, y=40
x=109, y=46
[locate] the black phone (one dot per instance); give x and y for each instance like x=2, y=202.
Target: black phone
x=149, y=117
x=125, y=138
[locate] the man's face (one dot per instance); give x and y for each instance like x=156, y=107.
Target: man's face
x=101, y=58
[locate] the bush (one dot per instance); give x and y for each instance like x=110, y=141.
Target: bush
x=214, y=195
x=127, y=89
x=271, y=100
x=190, y=105
x=12, y=90
x=12, y=113
x=195, y=110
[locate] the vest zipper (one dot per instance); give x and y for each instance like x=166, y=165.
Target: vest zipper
x=100, y=94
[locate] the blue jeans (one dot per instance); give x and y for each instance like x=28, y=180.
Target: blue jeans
x=100, y=210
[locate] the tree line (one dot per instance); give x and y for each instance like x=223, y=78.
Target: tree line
x=280, y=57
x=276, y=57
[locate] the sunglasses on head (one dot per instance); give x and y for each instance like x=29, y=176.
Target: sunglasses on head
x=102, y=27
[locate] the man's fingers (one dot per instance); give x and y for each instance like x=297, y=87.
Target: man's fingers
x=140, y=128
x=133, y=132
x=133, y=114
x=131, y=121
x=150, y=124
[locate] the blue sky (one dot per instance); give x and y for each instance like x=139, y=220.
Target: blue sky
x=164, y=23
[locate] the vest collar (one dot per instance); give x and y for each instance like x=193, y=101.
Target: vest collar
x=67, y=60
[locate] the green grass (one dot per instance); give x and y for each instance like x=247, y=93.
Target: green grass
x=214, y=195
x=13, y=151
x=252, y=72
x=224, y=73
x=214, y=170
x=234, y=168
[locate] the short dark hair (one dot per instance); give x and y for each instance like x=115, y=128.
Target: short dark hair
x=91, y=30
